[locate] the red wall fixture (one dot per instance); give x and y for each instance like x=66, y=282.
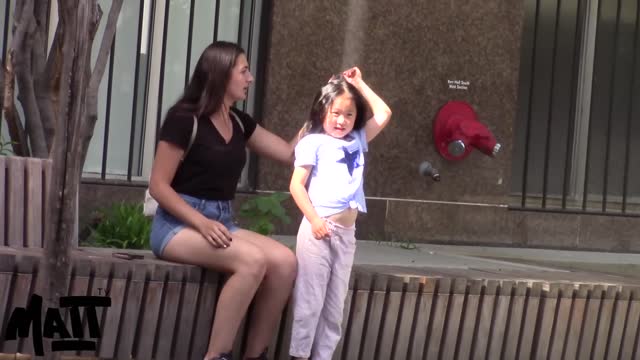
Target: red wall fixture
x=457, y=131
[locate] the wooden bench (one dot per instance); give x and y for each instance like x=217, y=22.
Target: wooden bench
x=162, y=310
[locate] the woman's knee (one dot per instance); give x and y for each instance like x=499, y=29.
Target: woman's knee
x=284, y=265
x=253, y=265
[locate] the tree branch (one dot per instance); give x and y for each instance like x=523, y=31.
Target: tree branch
x=43, y=77
x=22, y=45
x=96, y=77
x=53, y=69
x=16, y=131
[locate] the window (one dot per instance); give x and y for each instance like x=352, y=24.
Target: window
x=578, y=121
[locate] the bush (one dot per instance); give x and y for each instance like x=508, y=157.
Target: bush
x=5, y=147
x=122, y=226
x=262, y=211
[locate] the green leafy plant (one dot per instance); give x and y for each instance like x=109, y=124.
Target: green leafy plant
x=5, y=147
x=261, y=212
x=122, y=226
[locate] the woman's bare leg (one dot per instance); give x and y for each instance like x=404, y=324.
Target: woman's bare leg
x=274, y=292
x=246, y=264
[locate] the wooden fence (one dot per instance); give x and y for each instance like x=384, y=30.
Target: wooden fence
x=23, y=186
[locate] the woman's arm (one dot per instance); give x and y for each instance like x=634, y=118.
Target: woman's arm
x=301, y=197
x=265, y=143
x=165, y=164
x=381, y=112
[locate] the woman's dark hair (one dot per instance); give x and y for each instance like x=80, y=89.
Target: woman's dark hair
x=205, y=92
x=323, y=100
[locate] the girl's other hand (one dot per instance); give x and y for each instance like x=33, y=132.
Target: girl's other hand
x=319, y=229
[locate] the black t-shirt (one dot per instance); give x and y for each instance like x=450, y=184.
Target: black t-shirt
x=211, y=168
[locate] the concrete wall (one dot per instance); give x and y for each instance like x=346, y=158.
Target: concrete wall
x=408, y=52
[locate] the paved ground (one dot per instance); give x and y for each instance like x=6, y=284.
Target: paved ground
x=481, y=262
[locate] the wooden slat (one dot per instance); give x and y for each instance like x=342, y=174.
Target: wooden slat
x=375, y=316
x=453, y=324
x=16, y=197
x=20, y=298
x=150, y=312
x=423, y=318
x=590, y=322
x=79, y=286
x=441, y=303
x=486, y=315
x=390, y=318
x=187, y=312
x=204, y=316
x=469, y=320
x=604, y=322
x=132, y=312
x=406, y=321
x=337, y=354
x=530, y=321
x=3, y=201
x=7, y=263
x=618, y=324
x=47, y=168
x=282, y=351
x=548, y=305
x=28, y=266
x=35, y=188
x=168, y=314
x=631, y=328
x=501, y=313
x=362, y=285
x=515, y=320
x=111, y=327
x=99, y=287
x=559, y=338
x=577, y=321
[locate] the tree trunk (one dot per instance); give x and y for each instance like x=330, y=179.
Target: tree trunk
x=78, y=21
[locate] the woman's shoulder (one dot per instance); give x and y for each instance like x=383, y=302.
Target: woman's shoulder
x=177, y=114
x=244, y=116
x=248, y=123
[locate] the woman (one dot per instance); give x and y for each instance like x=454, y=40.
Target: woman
x=193, y=223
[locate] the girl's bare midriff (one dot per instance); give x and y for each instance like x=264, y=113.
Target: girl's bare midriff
x=346, y=217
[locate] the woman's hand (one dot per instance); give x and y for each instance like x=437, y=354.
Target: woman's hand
x=320, y=229
x=215, y=233
x=353, y=75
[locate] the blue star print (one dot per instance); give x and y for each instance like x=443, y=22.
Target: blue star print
x=350, y=159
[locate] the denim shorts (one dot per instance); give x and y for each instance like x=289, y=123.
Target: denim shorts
x=165, y=226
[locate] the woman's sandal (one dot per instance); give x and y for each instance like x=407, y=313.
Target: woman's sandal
x=223, y=356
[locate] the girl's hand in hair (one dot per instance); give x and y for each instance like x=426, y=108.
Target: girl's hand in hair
x=353, y=75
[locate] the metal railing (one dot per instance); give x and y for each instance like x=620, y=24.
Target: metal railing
x=578, y=116
x=134, y=96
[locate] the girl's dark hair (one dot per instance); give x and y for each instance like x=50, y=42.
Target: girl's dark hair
x=205, y=92
x=323, y=100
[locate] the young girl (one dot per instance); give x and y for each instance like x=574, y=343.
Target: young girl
x=330, y=160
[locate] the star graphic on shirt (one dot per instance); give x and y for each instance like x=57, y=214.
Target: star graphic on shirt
x=350, y=159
